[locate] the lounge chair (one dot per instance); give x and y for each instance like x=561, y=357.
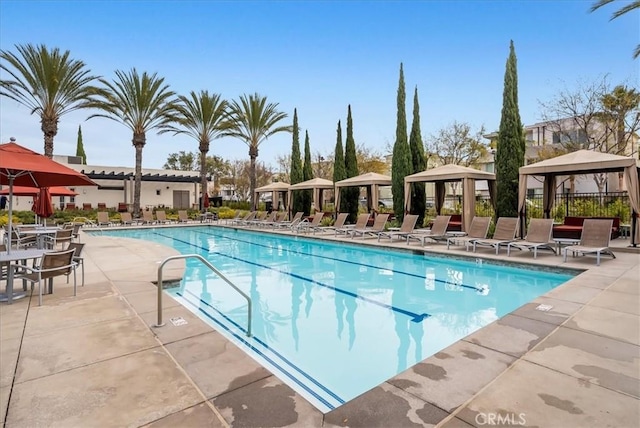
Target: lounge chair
x=406, y=228
x=377, y=227
x=294, y=221
x=260, y=218
x=147, y=217
x=103, y=219
x=506, y=228
x=126, y=219
x=437, y=232
x=281, y=217
x=247, y=217
x=477, y=230
x=338, y=224
x=161, y=217
x=306, y=226
x=595, y=238
x=361, y=223
x=538, y=237
x=183, y=217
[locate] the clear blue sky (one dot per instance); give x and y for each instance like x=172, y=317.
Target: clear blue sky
x=319, y=57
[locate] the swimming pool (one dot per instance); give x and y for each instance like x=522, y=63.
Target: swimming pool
x=334, y=319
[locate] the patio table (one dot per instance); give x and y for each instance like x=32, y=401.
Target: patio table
x=10, y=259
x=40, y=234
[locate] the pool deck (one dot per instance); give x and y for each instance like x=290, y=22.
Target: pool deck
x=96, y=360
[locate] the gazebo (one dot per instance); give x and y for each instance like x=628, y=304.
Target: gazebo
x=276, y=189
x=318, y=185
x=451, y=173
x=583, y=162
x=371, y=180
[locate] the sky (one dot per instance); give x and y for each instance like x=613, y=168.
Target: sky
x=319, y=57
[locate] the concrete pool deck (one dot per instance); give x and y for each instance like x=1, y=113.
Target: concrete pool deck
x=96, y=359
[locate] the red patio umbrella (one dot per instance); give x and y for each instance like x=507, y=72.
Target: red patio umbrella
x=34, y=191
x=205, y=200
x=20, y=166
x=42, y=204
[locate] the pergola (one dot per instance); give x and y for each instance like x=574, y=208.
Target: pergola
x=451, y=173
x=577, y=163
x=371, y=180
x=276, y=189
x=318, y=185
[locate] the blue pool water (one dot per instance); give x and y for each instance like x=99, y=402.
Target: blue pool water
x=333, y=319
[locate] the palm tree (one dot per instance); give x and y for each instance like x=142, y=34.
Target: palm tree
x=141, y=103
x=627, y=8
x=252, y=120
x=48, y=82
x=203, y=117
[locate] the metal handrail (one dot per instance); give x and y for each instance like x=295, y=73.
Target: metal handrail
x=216, y=271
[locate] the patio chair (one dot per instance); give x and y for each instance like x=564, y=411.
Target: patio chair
x=77, y=258
x=265, y=219
x=61, y=238
x=279, y=220
x=87, y=206
x=147, y=217
x=506, y=228
x=477, y=230
x=248, y=217
x=183, y=217
x=161, y=217
x=595, y=238
x=337, y=224
x=306, y=226
x=377, y=227
x=19, y=241
x=297, y=218
x=51, y=265
x=407, y=226
x=437, y=232
x=361, y=223
x=103, y=219
x=538, y=237
x=126, y=219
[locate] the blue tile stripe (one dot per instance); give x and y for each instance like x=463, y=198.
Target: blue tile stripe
x=259, y=352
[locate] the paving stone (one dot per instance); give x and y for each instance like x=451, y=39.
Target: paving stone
x=606, y=322
x=201, y=415
x=511, y=335
x=169, y=332
x=606, y=362
x=147, y=301
x=216, y=365
x=573, y=292
x=531, y=395
x=627, y=285
x=617, y=301
x=452, y=376
x=9, y=349
x=4, y=402
x=267, y=403
x=559, y=312
x=131, y=390
x=385, y=406
x=73, y=347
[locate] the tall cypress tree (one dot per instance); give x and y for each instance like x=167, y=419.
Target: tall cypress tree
x=401, y=162
x=339, y=171
x=295, y=175
x=511, y=145
x=80, y=147
x=351, y=194
x=307, y=174
x=419, y=164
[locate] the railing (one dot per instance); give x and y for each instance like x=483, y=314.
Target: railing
x=605, y=204
x=216, y=271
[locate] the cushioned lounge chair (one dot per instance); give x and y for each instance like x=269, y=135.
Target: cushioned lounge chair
x=538, y=237
x=595, y=239
x=377, y=227
x=361, y=223
x=506, y=228
x=477, y=230
x=437, y=232
x=406, y=228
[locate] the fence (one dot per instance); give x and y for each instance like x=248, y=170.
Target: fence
x=605, y=204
